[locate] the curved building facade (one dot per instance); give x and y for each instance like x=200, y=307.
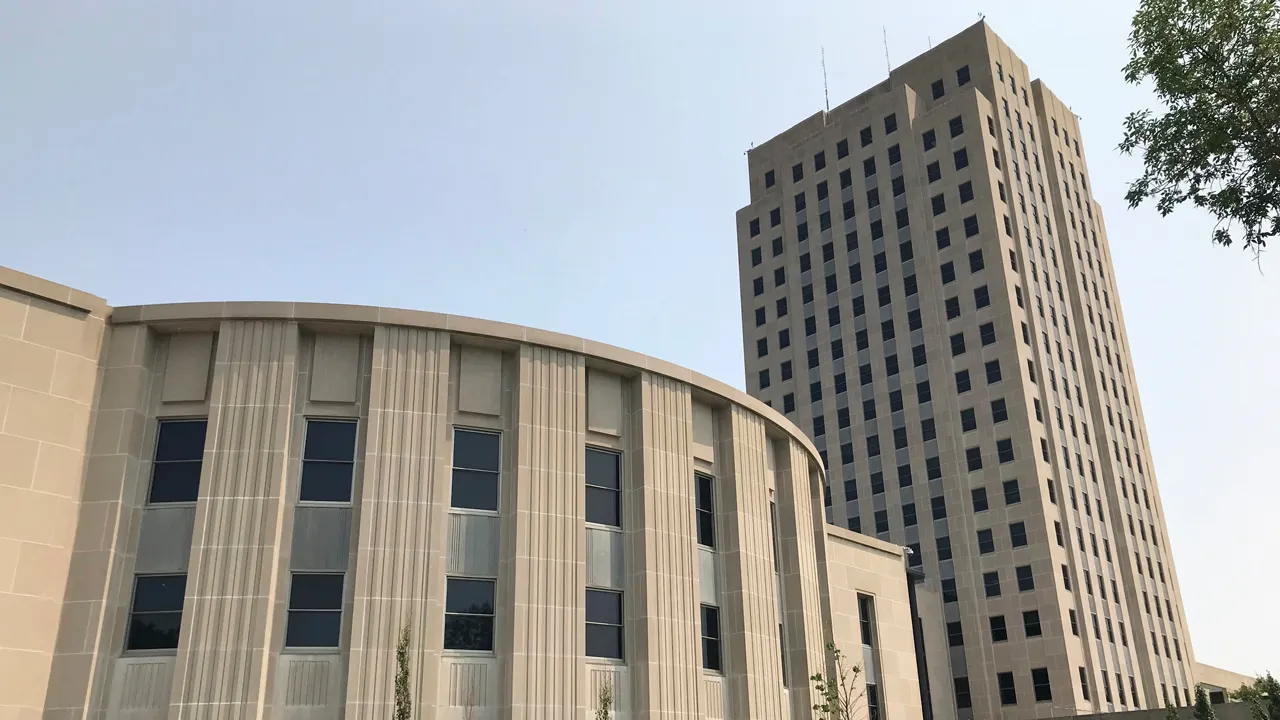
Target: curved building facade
x=235, y=510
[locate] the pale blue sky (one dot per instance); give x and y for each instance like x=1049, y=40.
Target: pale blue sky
x=576, y=166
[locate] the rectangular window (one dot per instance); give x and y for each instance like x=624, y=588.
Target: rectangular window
x=955, y=634
x=468, y=614
x=604, y=623
x=328, y=461
x=999, y=411
x=1040, y=683
x=1012, y=495
x=963, y=700
x=944, y=548
x=604, y=483
x=476, y=457
x=1008, y=695
x=315, y=611
x=973, y=458
x=711, y=637
x=979, y=499
x=706, y=509
x=1025, y=580
x=155, y=618
x=991, y=583
x=175, y=474
x=999, y=632
x=987, y=333
x=1031, y=623
x=1018, y=534
x=986, y=542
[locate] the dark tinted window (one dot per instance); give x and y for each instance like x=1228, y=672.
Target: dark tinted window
x=476, y=457
x=986, y=542
x=963, y=700
x=604, y=624
x=468, y=619
x=156, y=616
x=176, y=472
x=1031, y=623
x=1025, y=580
x=711, y=637
x=328, y=460
x=1008, y=696
x=979, y=499
x=1040, y=682
x=991, y=583
x=999, y=632
x=604, y=486
x=706, y=506
x=1012, y=495
x=1018, y=534
x=315, y=610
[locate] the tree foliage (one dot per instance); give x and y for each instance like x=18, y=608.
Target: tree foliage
x=1262, y=697
x=1203, y=711
x=1215, y=66
x=404, y=700
x=838, y=695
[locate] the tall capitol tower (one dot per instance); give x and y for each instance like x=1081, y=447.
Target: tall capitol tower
x=927, y=289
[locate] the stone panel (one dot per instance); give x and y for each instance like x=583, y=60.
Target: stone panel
x=801, y=544
x=546, y=568
x=400, y=565
x=223, y=654
x=663, y=613
x=749, y=616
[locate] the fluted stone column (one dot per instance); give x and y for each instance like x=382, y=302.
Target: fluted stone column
x=801, y=589
x=223, y=655
x=752, y=663
x=663, y=613
x=544, y=569
x=399, y=573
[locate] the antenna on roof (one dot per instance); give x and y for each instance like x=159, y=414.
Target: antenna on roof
x=887, y=65
x=930, y=39
x=826, y=97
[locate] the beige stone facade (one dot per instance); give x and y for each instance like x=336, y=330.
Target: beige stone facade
x=927, y=290
x=1219, y=683
x=232, y=510
x=51, y=339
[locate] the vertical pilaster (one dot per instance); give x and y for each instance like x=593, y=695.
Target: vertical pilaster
x=663, y=613
x=89, y=636
x=545, y=570
x=222, y=666
x=798, y=530
x=752, y=664
x=399, y=572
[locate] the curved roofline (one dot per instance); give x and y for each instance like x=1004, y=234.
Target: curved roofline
x=177, y=313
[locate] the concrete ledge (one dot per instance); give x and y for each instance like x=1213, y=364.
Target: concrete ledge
x=52, y=292
x=865, y=541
